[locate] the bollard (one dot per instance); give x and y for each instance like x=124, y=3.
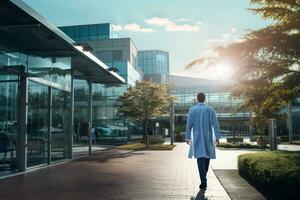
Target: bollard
x=272, y=134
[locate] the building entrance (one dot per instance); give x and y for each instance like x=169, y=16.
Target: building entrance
x=9, y=123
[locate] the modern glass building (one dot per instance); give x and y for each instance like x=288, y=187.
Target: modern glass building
x=39, y=67
x=90, y=32
x=217, y=96
x=154, y=64
x=119, y=54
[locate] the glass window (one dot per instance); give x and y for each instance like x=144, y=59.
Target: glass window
x=160, y=58
x=105, y=56
x=84, y=31
x=117, y=55
x=93, y=30
x=103, y=29
x=76, y=30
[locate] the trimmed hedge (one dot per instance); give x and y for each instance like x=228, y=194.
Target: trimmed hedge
x=296, y=142
x=141, y=147
x=179, y=138
x=272, y=172
x=239, y=145
x=155, y=140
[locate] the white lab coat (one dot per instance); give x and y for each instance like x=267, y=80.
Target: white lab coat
x=202, y=129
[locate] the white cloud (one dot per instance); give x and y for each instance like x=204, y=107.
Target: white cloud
x=117, y=27
x=232, y=30
x=158, y=21
x=137, y=28
x=182, y=20
x=226, y=35
x=172, y=26
x=199, y=23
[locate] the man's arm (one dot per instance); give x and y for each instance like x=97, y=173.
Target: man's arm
x=215, y=125
x=189, y=126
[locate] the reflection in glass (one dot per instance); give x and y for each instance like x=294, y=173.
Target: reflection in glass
x=38, y=124
x=60, y=128
x=8, y=121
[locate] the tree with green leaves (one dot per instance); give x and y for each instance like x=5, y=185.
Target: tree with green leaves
x=266, y=61
x=145, y=101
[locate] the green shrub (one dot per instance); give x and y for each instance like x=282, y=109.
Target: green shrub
x=155, y=139
x=286, y=138
x=179, y=128
x=179, y=138
x=238, y=145
x=296, y=142
x=255, y=137
x=237, y=139
x=272, y=171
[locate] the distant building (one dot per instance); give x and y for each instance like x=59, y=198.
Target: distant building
x=154, y=64
x=217, y=95
x=90, y=32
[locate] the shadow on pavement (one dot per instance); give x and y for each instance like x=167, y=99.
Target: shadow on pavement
x=200, y=195
x=109, y=154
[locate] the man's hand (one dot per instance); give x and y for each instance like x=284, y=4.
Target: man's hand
x=217, y=142
x=188, y=142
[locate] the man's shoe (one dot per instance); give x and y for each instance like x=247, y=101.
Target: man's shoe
x=203, y=186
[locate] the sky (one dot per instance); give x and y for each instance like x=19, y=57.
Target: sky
x=187, y=29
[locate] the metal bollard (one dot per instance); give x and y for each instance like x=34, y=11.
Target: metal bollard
x=272, y=134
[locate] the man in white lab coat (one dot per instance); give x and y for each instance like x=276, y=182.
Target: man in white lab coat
x=202, y=129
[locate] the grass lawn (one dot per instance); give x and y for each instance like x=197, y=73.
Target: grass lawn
x=275, y=173
x=141, y=146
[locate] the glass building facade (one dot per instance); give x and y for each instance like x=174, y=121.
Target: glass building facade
x=38, y=69
x=119, y=54
x=185, y=89
x=90, y=32
x=154, y=62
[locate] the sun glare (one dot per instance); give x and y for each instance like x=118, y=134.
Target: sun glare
x=223, y=71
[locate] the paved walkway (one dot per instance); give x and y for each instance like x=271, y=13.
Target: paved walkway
x=116, y=174
x=289, y=147
x=228, y=158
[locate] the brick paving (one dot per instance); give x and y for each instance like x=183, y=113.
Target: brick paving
x=116, y=174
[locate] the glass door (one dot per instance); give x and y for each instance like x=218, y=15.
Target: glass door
x=38, y=124
x=60, y=125
x=9, y=124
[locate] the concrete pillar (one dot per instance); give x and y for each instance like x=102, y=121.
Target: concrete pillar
x=272, y=134
x=290, y=121
x=250, y=125
x=172, y=122
x=90, y=115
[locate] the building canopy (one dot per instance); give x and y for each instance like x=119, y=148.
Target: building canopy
x=23, y=30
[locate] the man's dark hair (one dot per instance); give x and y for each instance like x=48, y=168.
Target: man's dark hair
x=201, y=97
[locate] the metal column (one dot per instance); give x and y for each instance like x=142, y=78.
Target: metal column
x=90, y=115
x=23, y=110
x=50, y=124
x=71, y=119
x=290, y=121
x=172, y=122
